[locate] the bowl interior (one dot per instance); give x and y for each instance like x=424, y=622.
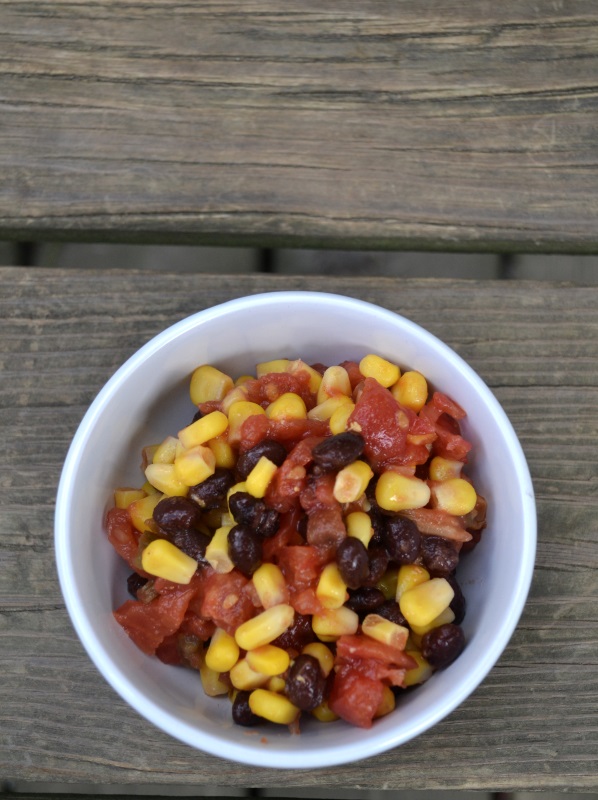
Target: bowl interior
x=148, y=399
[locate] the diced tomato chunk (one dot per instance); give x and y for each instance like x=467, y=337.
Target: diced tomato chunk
x=300, y=565
x=225, y=601
x=382, y=423
x=352, y=648
x=269, y=387
x=318, y=492
x=124, y=537
x=355, y=697
x=253, y=430
x=148, y=624
x=355, y=376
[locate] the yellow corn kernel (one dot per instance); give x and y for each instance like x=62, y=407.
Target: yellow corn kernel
x=288, y=406
x=210, y=681
x=195, y=465
x=387, y=703
x=269, y=659
x=243, y=379
x=411, y=390
x=217, y=551
x=386, y=373
x=237, y=414
x=223, y=652
x=273, y=707
x=385, y=631
x=124, y=496
x=244, y=678
x=164, y=478
x=277, y=365
x=315, y=379
x=148, y=488
x=143, y=509
x=147, y=454
x=339, y=421
x=396, y=492
x=359, y=525
x=388, y=583
x=418, y=674
x=323, y=713
x=351, y=482
x=328, y=407
x=455, y=496
x=441, y=469
x=224, y=455
x=259, y=478
x=426, y=601
x=322, y=653
x=162, y=559
x=265, y=627
x=203, y=429
x=166, y=451
x=208, y=383
x=335, y=381
x=331, y=623
x=331, y=590
x=410, y=576
x=276, y=684
x=270, y=585
x=236, y=395
x=446, y=616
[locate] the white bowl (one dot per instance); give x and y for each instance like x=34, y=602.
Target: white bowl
x=148, y=399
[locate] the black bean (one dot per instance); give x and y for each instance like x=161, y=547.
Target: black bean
x=378, y=563
x=338, y=451
x=352, y=561
x=297, y=635
x=439, y=556
x=176, y=513
x=441, y=646
x=365, y=600
x=302, y=526
x=191, y=542
x=211, y=493
x=134, y=583
x=273, y=451
x=458, y=603
x=305, y=683
x=242, y=714
x=244, y=549
x=249, y=510
x=390, y=610
x=378, y=521
x=402, y=540
x=198, y=415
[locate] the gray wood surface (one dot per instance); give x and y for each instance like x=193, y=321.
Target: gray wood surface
x=442, y=124
x=530, y=725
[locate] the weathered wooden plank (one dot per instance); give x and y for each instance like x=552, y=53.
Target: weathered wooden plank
x=450, y=125
x=531, y=725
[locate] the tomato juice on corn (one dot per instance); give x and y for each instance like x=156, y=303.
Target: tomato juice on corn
x=296, y=542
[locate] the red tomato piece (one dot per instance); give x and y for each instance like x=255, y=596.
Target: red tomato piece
x=225, y=602
x=290, y=479
x=382, y=423
x=437, y=522
x=354, y=648
x=148, y=624
x=253, y=430
x=326, y=527
x=300, y=565
x=355, y=376
x=124, y=537
x=168, y=651
x=291, y=431
x=318, y=493
x=355, y=697
x=287, y=534
x=306, y=602
x=269, y=387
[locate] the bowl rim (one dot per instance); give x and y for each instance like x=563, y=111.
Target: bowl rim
x=220, y=746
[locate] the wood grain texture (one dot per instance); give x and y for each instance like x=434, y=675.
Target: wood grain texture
x=530, y=725
x=444, y=125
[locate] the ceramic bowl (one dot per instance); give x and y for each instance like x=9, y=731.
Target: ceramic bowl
x=147, y=399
